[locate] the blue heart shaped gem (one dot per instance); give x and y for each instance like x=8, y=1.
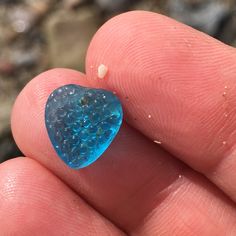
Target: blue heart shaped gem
x=82, y=122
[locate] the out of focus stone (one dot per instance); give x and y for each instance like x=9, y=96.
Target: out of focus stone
x=21, y=18
x=70, y=4
x=204, y=15
x=40, y=7
x=8, y=92
x=26, y=58
x=113, y=6
x=8, y=147
x=4, y=2
x=6, y=102
x=227, y=31
x=149, y=5
x=68, y=36
x=23, y=53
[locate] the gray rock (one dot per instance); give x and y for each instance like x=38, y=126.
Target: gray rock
x=21, y=18
x=68, y=36
x=148, y=5
x=227, y=31
x=7, y=97
x=70, y=4
x=25, y=58
x=3, y=2
x=7, y=101
x=204, y=15
x=112, y=6
x=8, y=147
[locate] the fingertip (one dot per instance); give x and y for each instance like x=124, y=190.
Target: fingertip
x=171, y=80
x=146, y=51
x=32, y=199
x=129, y=42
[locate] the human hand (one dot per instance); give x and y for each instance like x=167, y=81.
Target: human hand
x=177, y=86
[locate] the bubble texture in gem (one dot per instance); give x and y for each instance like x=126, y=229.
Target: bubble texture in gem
x=81, y=123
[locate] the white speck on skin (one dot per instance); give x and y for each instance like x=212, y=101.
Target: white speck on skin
x=114, y=92
x=226, y=86
x=102, y=71
x=149, y=116
x=91, y=66
x=224, y=94
x=225, y=115
x=224, y=142
x=180, y=176
x=156, y=141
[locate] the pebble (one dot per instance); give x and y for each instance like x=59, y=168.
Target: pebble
x=102, y=71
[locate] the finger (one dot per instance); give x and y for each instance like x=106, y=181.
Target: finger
x=35, y=201
x=130, y=170
x=131, y=181
x=192, y=208
x=177, y=86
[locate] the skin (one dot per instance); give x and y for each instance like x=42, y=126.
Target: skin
x=184, y=80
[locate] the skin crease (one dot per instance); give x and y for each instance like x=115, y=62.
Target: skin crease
x=160, y=68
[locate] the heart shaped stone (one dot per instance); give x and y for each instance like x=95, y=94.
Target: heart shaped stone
x=81, y=123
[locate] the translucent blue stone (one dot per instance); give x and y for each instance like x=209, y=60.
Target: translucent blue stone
x=81, y=123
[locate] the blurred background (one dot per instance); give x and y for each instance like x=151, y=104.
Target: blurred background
x=36, y=35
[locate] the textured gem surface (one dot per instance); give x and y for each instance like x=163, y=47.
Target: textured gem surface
x=81, y=123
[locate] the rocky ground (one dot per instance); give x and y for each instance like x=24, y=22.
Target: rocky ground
x=40, y=34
